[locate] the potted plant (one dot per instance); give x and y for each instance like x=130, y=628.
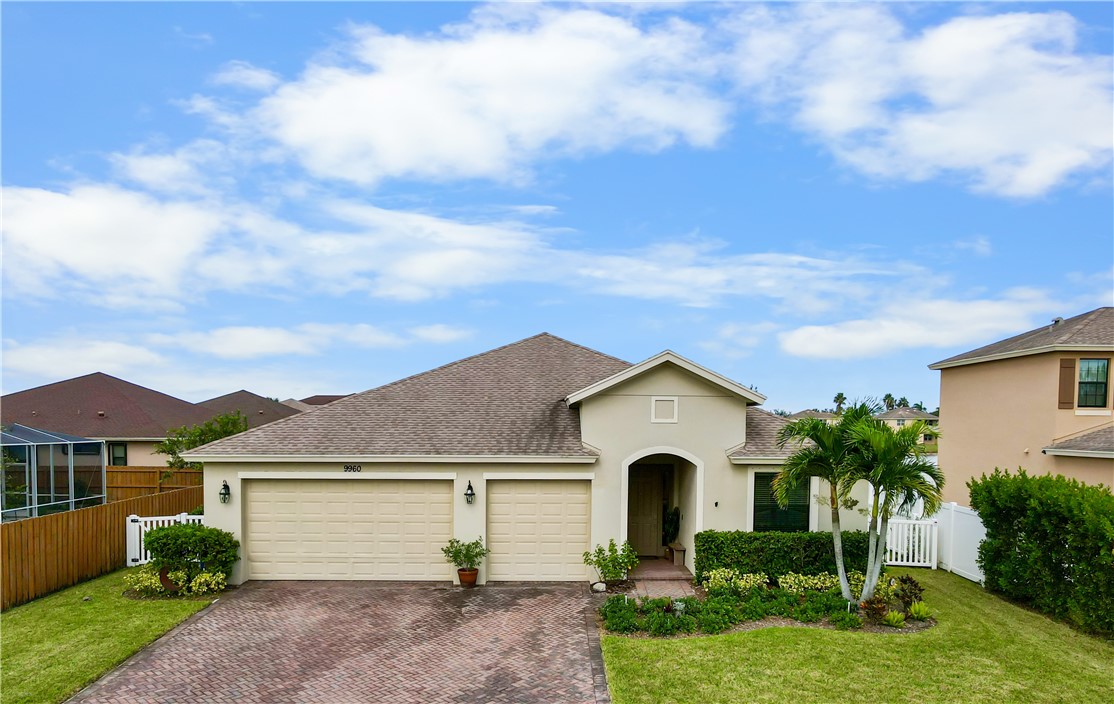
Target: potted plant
x=466, y=557
x=671, y=528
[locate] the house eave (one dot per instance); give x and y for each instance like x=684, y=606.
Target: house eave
x=392, y=459
x=1021, y=353
x=750, y=395
x=757, y=460
x=1096, y=454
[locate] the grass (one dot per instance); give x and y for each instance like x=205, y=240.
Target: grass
x=54, y=646
x=983, y=649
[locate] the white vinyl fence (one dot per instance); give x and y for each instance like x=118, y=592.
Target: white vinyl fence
x=138, y=527
x=961, y=532
x=912, y=543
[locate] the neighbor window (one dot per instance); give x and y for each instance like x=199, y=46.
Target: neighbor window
x=900, y=423
x=118, y=454
x=769, y=516
x=1093, y=374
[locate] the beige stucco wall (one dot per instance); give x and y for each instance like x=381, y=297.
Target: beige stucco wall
x=469, y=521
x=709, y=422
x=1001, y=413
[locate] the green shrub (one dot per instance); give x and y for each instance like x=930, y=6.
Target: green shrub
x=845, y=620
x=464, y=555
x=728, y=581
x=918, y=611
x=620, y=614
x=909, y=590
x=144, y=580
x=199, y=511
x=208, y=583
x=1049, y=543
x=192, y=548
x=717, y=614
x=801, y=583
x=753, y=609
x=776, y=553
x=613, y=563
x=886, y=588
x=894, y=619
x=661, y=623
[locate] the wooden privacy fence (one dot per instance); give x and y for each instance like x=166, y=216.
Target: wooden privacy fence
x=42, y=555
x=130, y=482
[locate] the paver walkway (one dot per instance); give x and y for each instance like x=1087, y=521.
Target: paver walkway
x=341, y=642
x=655, y=578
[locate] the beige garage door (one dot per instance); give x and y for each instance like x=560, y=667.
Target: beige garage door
x=537, y=530
x=348, y=529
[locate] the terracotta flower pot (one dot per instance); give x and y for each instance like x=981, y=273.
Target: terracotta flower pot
x=468, y=576
x=167, y=584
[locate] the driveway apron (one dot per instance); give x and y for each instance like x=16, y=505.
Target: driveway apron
x=342, y=642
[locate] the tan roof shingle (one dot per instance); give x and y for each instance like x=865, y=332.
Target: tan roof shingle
x=508, y=401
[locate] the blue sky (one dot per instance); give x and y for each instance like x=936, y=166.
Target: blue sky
x=321, y=198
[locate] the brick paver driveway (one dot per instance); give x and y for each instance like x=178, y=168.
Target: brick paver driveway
x=373, y=642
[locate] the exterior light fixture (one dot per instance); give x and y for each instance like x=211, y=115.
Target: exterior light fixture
x=225, y=493
x=470, y=493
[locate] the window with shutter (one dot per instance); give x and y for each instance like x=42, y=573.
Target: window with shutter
x=769, y=516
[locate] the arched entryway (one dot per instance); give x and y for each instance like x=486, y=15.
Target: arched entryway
x=656, y=481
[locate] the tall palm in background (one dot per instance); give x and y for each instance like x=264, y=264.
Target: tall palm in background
x=899, y=475
x=827, y=451
x=839, y=400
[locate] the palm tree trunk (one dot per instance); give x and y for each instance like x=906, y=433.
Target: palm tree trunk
x=871, y=542
x=837, y=541
x=874, y=573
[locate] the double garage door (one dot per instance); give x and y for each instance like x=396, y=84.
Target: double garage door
x=394, y=529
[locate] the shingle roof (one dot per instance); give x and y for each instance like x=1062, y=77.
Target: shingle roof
x=508, y=401
x=1100, y=439
x=812, y=413
x=259, y=410
x=905, y=413
x=1093, y=328
x=322, y=399
x=762, y=429
x=73, y=406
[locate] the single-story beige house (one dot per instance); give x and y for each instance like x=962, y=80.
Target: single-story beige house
x=563, y=447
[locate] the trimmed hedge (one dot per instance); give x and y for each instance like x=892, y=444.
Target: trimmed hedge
x=777, y=553
x=192, y=548
x=1049, y=543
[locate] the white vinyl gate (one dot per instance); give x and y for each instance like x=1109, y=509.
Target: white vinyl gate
x=912, y=543
x=138, y=527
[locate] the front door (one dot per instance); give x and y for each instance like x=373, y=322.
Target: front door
x=644, y=509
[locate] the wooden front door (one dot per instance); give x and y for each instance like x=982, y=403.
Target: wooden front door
x=644, y=507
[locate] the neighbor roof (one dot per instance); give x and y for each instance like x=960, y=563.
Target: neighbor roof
x=1094, y=443
x=322, y=399
x=1093, y=330
x=75, y=406
x=905, y=413
x=761, y=444
x=812, y=413
x=508, y=401
x=259, y=410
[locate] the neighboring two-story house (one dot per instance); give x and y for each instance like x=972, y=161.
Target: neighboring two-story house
x=1040, y=400
x=903, y=415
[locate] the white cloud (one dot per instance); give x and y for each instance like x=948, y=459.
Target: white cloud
x=440, y=333
x=65, y=357
x=920, y=322
x=241, y=74
x=182, y=172
x=1004, y=101
x=485, y=98
x=979, y=245
x=738, y=340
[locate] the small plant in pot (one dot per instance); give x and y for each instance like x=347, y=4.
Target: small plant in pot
x=466, y=557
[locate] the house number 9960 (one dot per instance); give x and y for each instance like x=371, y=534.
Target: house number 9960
x=352, y=468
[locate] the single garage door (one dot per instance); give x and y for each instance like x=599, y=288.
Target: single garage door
x=537, y=530
x=348, y=529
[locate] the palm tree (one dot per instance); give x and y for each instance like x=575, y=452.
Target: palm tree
x=899, y=476
x=889, y=400
x=839, y=400
x=826, y=451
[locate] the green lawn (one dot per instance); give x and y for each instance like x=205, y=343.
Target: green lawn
x=54, y=646
x=983, y=649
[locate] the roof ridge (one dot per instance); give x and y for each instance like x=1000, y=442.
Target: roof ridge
x=1088, y=319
